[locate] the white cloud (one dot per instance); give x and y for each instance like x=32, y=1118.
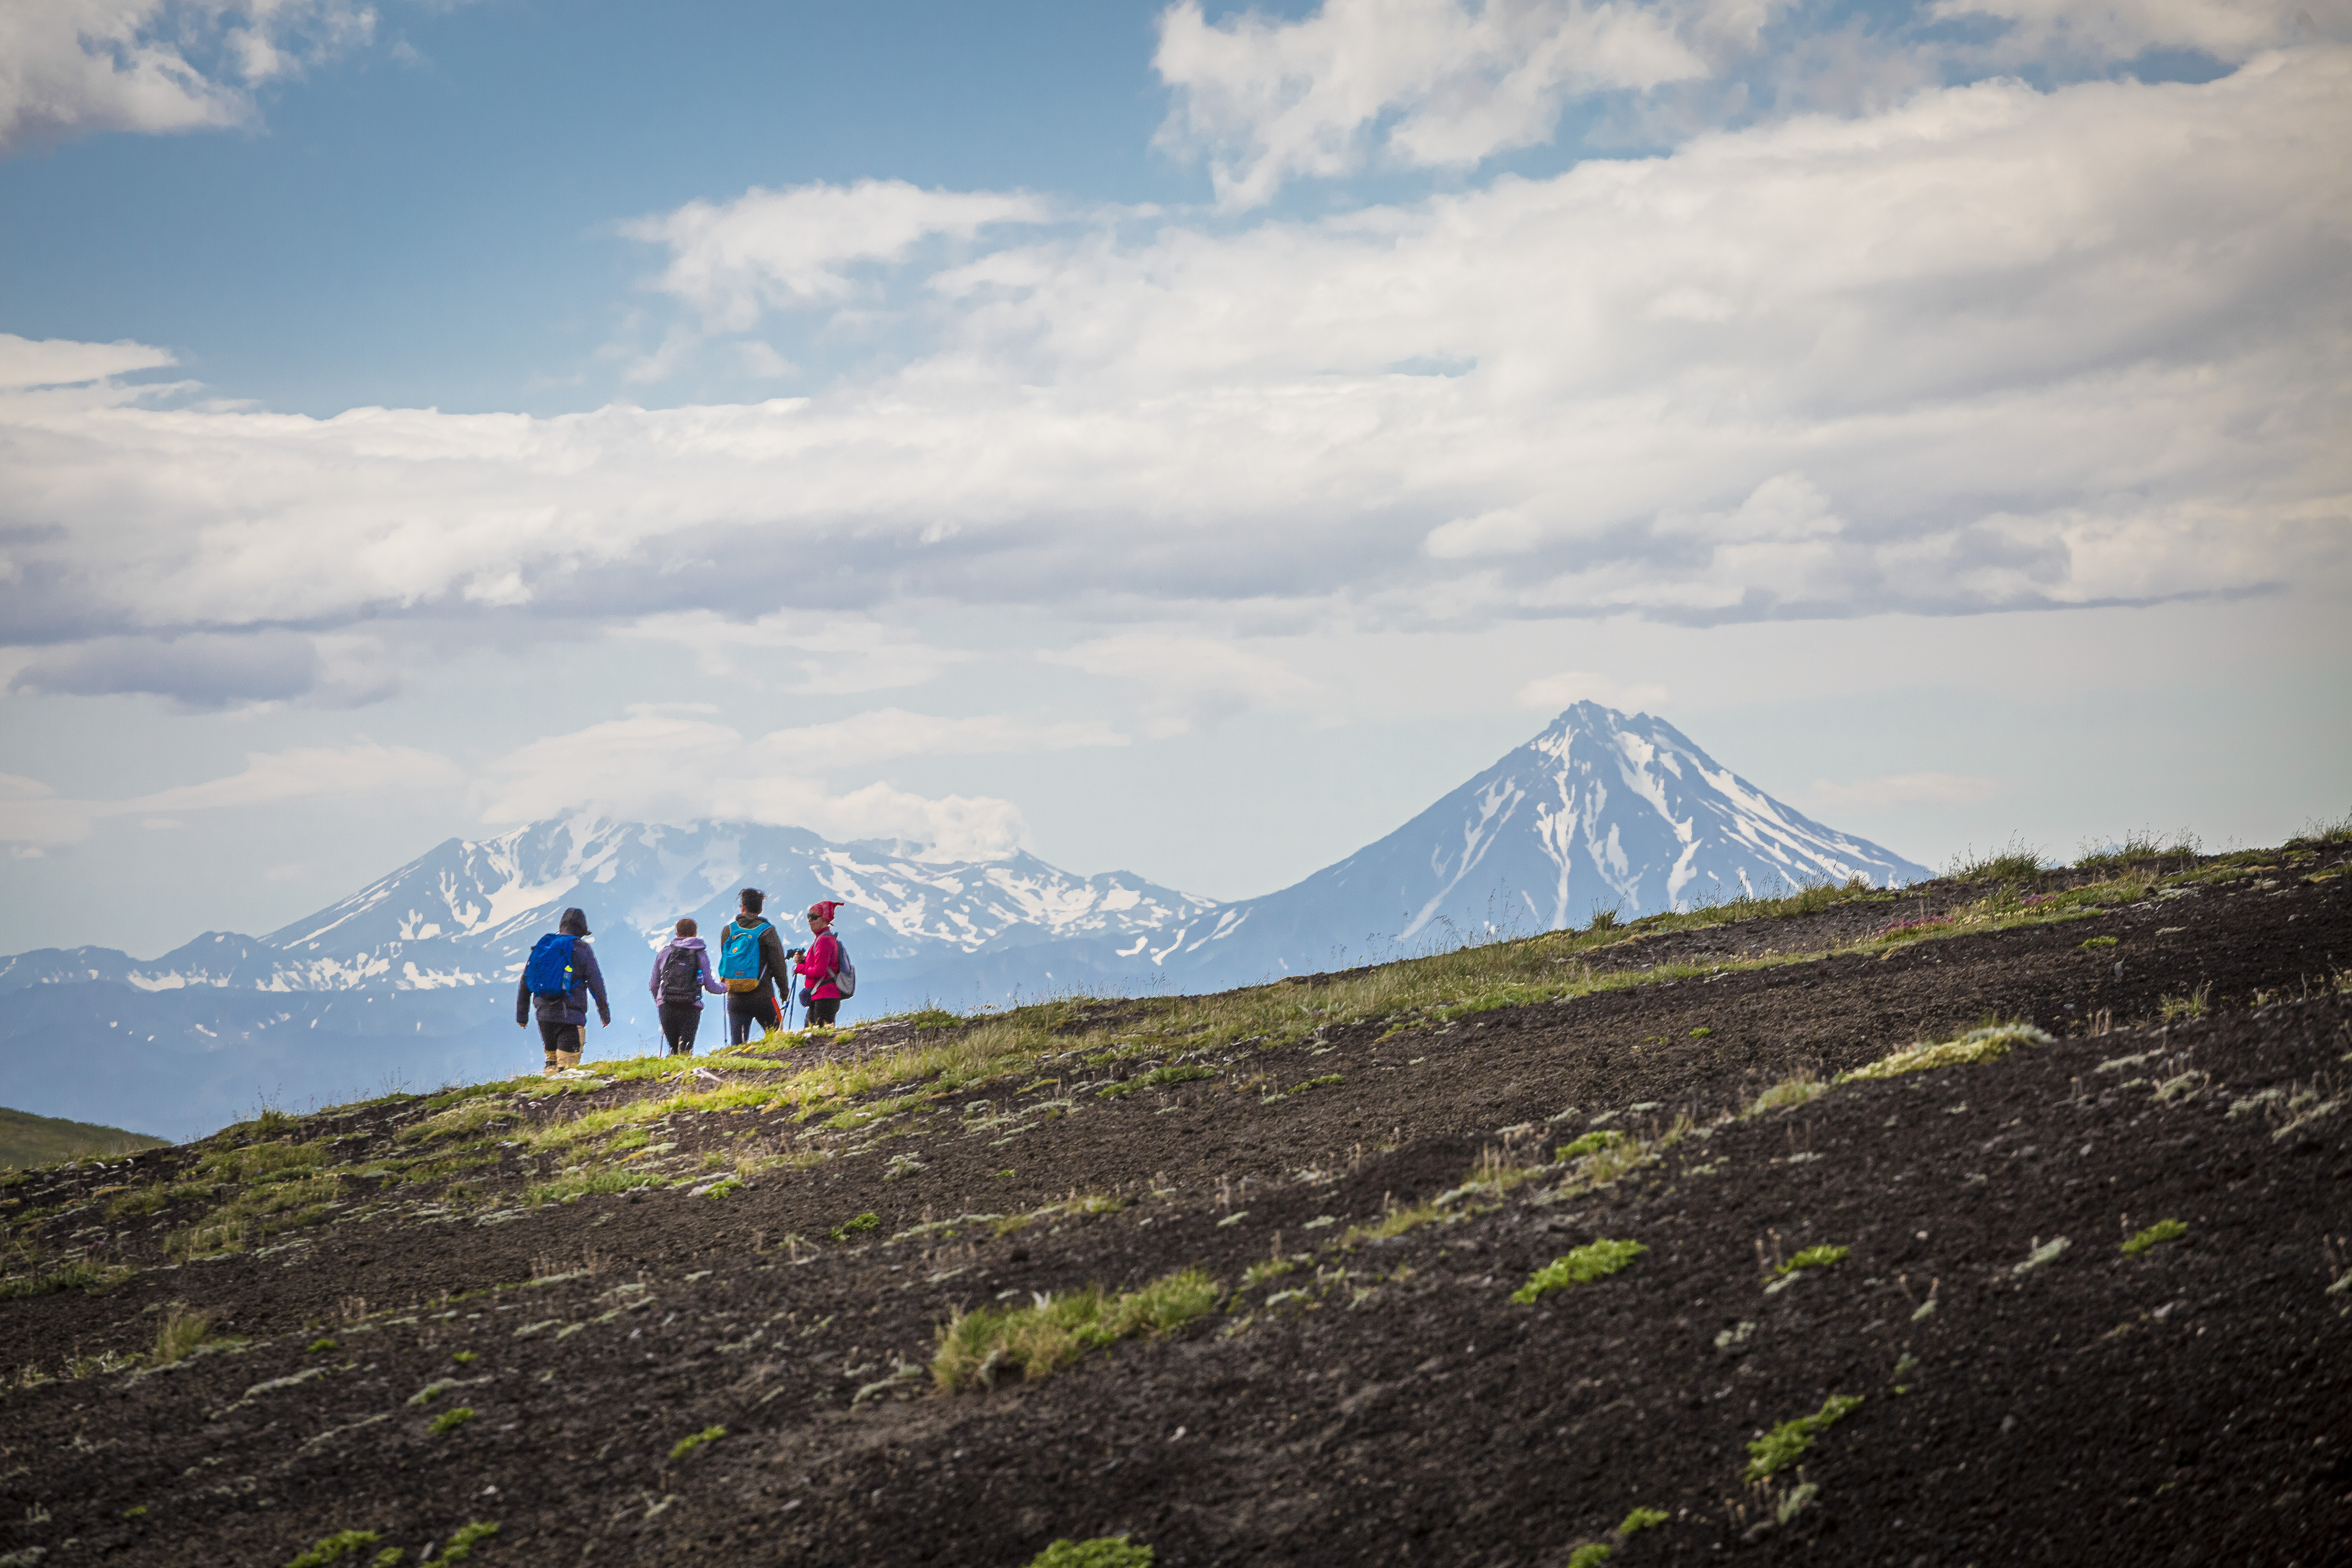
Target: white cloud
x=2231, y=30
x=886, y=733
x=1995, y=348
x=33, y=814
x=69, y=68
x=663, y=766
x=1453, y=82
x=1553, y=692
x=769, y=250
x=60, y=362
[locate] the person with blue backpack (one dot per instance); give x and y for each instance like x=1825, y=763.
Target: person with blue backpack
x=751, y=960
x=557, y=981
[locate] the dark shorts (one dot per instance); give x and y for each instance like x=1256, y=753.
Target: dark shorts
x=680, y=1022
x=823, y=1009
x=557, y=1037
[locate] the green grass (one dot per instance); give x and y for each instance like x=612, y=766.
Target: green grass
x=80, y=1274
x=1594, y=1260
x=1101, y=1551
x=29, y=1140
x=976, y=1348
x=2093, y=944
x=464, y=1539
x=180, y=1335
x=1786, y=1444
x=856, y=1227
x=333, y=1548
x=450, y=1420
x=693, y=1440
x=1589, y=1143
x=1589, y=1555
x=1157, y=1078
x=2017, y=861
x=1987, y=1044
x=1643, y=1518
x=2162, y=1230
x=1815, y=1258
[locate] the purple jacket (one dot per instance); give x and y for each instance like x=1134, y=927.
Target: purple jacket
x=692, y=945
x=569, y=1007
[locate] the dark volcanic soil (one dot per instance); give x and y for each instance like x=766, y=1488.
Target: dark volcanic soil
x=1384, y=1401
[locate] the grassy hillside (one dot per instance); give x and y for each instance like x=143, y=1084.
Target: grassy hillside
x=29, y=1140
x=2001, y=1221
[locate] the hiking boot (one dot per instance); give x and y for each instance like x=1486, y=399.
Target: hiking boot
x=567, y=1060
x=550, y=1071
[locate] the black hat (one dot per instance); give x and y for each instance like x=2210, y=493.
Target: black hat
x=574, y=923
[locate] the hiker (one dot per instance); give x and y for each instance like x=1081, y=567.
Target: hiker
x=751, y=962
x=681, y=974
x=821, y=966
x=557, y=980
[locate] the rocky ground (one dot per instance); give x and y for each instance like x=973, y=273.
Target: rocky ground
x=230, y=1352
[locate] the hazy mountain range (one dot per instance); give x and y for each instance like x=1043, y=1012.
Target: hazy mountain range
x=411, y=980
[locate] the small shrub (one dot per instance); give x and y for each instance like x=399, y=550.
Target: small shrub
x=2162, y=1230
x=2017, y=862
x=450, y=1420
x=2192, y=1005
x=689, y=1444
x=1102, y=1552
x=1594, y=1260
x=1787, y=1443
x=179, y=1336
x=975, y=1348
x=315, y=1346
x=333, y=1548
x=862, y=1224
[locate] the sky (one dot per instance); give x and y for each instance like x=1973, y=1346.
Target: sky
x=1177, y=439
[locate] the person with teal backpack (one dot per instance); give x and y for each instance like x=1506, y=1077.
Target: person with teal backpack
x=557, y=979
x=751, y=960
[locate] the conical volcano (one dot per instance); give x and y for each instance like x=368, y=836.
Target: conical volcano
x=1602, y=810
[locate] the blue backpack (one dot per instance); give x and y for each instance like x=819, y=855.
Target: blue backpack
x=738, y=956
x=549, y=972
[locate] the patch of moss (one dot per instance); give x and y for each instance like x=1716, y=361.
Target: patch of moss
x=978, y=1347
x=2162, y=1230
x=450, y=1420
x=1991, y=1043
x=464, y=1538
x=1594, y=1260
x=333, y=1548
x=858, y=1226
x=1101, y=1551
x=1784, y=1445
x=689, y=1444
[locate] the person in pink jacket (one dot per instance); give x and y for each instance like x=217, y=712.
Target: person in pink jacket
x=820, y=964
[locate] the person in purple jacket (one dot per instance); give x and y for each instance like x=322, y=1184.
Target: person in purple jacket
x=681, y=974
x=564, y=1014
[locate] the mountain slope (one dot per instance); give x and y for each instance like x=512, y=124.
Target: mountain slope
x=411, y=978
x=1601, y=811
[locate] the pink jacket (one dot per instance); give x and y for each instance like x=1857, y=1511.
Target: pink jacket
x=818, y=964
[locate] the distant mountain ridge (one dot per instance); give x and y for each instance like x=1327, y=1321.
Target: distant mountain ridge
x=413, y=977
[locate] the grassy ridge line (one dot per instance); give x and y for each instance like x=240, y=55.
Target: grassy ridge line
x=1432, y=991
x=29, y=1140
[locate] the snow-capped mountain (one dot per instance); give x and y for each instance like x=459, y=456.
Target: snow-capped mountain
x=1601, y=811
x=412, y=978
